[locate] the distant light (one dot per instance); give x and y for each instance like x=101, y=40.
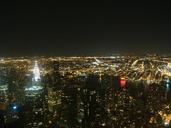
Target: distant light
x=103, y=124
x=167, y=85
x=112, y=57
x=168, y=81
x=36, y=72
x=1, y=60
x=3, y=87
x=34, y=88
x=80, y=120
x=14, y=107
x=122, y=82
x=166, y=123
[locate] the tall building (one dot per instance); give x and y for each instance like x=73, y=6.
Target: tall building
x=56, y=66
x=34, y=108
x=93, y=102
x=36, y=73
x=3, y=95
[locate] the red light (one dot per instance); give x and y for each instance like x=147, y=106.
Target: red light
x=122, y=82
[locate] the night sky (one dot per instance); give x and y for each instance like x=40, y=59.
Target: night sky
x=102, y=28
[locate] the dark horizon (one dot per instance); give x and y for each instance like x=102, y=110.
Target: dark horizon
x=70, y=29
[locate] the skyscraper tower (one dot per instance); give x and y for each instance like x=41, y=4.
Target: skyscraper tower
x=36, y=72
x=34, y=100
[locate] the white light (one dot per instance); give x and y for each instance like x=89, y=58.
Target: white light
x=167, y=85
x=166, y=123
x=112, y=57
x=14, y=107
x=103, y=124
x=2, y=60
x=167, y=80
x=36, y=72
x=33, y=88
x=3, y=87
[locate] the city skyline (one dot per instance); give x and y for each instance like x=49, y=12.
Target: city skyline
x=104, y=64
x=83, y=92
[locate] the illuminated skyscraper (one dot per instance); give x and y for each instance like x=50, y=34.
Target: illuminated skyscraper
x=35, y=105
x=36, y=72
x=34, y=86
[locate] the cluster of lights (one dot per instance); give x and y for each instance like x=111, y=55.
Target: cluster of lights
x=166, y=123
x=3, y=87
x=34, y=88
x=167, y=84
x=36, y=72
